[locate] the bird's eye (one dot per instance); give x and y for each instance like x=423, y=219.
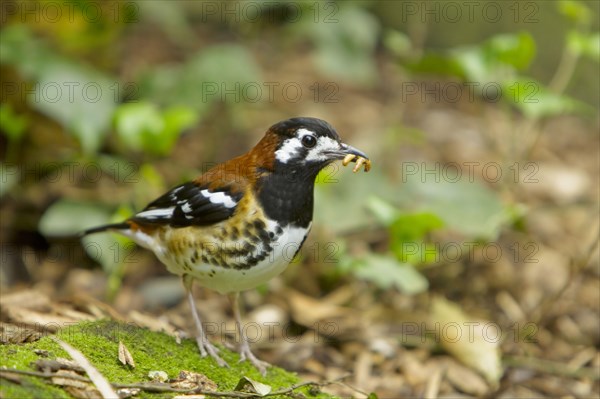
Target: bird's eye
x=309, y=141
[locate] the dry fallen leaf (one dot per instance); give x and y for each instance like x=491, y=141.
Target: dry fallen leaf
x=473, y=342
x=189, y=380
x=466, y=380
x=125, y=356
x=246, y=384
x=158, y=376
x=319, y=310
x=15, y=334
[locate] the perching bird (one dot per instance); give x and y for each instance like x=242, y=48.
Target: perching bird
x=231, y=229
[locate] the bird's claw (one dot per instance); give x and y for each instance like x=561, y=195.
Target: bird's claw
x=360, y=161
x=261, y=366
x=208, y=349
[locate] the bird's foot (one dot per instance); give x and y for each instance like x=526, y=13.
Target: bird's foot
x=206, y=348
x=246, y=354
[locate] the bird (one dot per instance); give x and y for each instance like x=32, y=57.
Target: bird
x=233, y=228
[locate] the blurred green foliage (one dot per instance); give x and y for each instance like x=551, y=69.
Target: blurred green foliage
x=343, y=42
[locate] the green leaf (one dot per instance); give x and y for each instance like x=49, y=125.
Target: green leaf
x=495, y=60
x=464, y=205
x=397, y=42
x=345, y=50
x=516, y=50
x=135, y=121
x=536, y=101
x=171, y=17
x=585, y=44
x=175, y=120
x=437, y=64
x=341, y=197
x=20, y=49
x=215, y=74
x=67, y=217
x=383, y=211
x=386, y=272
x=82, y=100
x=576, y=11
x=227, y=63
x=11, y=123
x=414, y=226
x=142, y=126
x=408, y=233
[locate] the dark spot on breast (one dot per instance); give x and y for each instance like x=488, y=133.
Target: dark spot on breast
x=255, y=239
x=259, y=224
x=264, y=236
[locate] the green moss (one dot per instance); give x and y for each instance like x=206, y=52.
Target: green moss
x=99, y=342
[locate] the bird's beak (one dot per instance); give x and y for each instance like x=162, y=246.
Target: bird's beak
x=348, y=154
x=349, y=150
x=351, y=154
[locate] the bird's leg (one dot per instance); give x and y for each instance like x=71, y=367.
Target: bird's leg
x=244, y=349
x=206, y=348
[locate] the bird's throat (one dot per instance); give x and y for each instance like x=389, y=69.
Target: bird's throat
x=287, y=198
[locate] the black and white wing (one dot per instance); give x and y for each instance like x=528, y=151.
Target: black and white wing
x=190, y=205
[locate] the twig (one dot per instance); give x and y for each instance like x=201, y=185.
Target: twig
x=153, y=387
x=96, y=377
x=544, y=309
x=43, y=374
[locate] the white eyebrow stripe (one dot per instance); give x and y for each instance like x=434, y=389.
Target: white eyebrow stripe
x=156, y=213
x=219, y=198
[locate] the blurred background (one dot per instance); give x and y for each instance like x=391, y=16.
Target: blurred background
x=465, y=263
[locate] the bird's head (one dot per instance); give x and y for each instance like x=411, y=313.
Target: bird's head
x=306, y=145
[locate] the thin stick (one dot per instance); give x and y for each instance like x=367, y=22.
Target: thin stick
x=153, y=387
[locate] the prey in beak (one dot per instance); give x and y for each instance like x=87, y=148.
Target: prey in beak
x=355, y=155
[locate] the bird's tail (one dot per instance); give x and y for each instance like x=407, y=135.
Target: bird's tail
x=100, y=229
